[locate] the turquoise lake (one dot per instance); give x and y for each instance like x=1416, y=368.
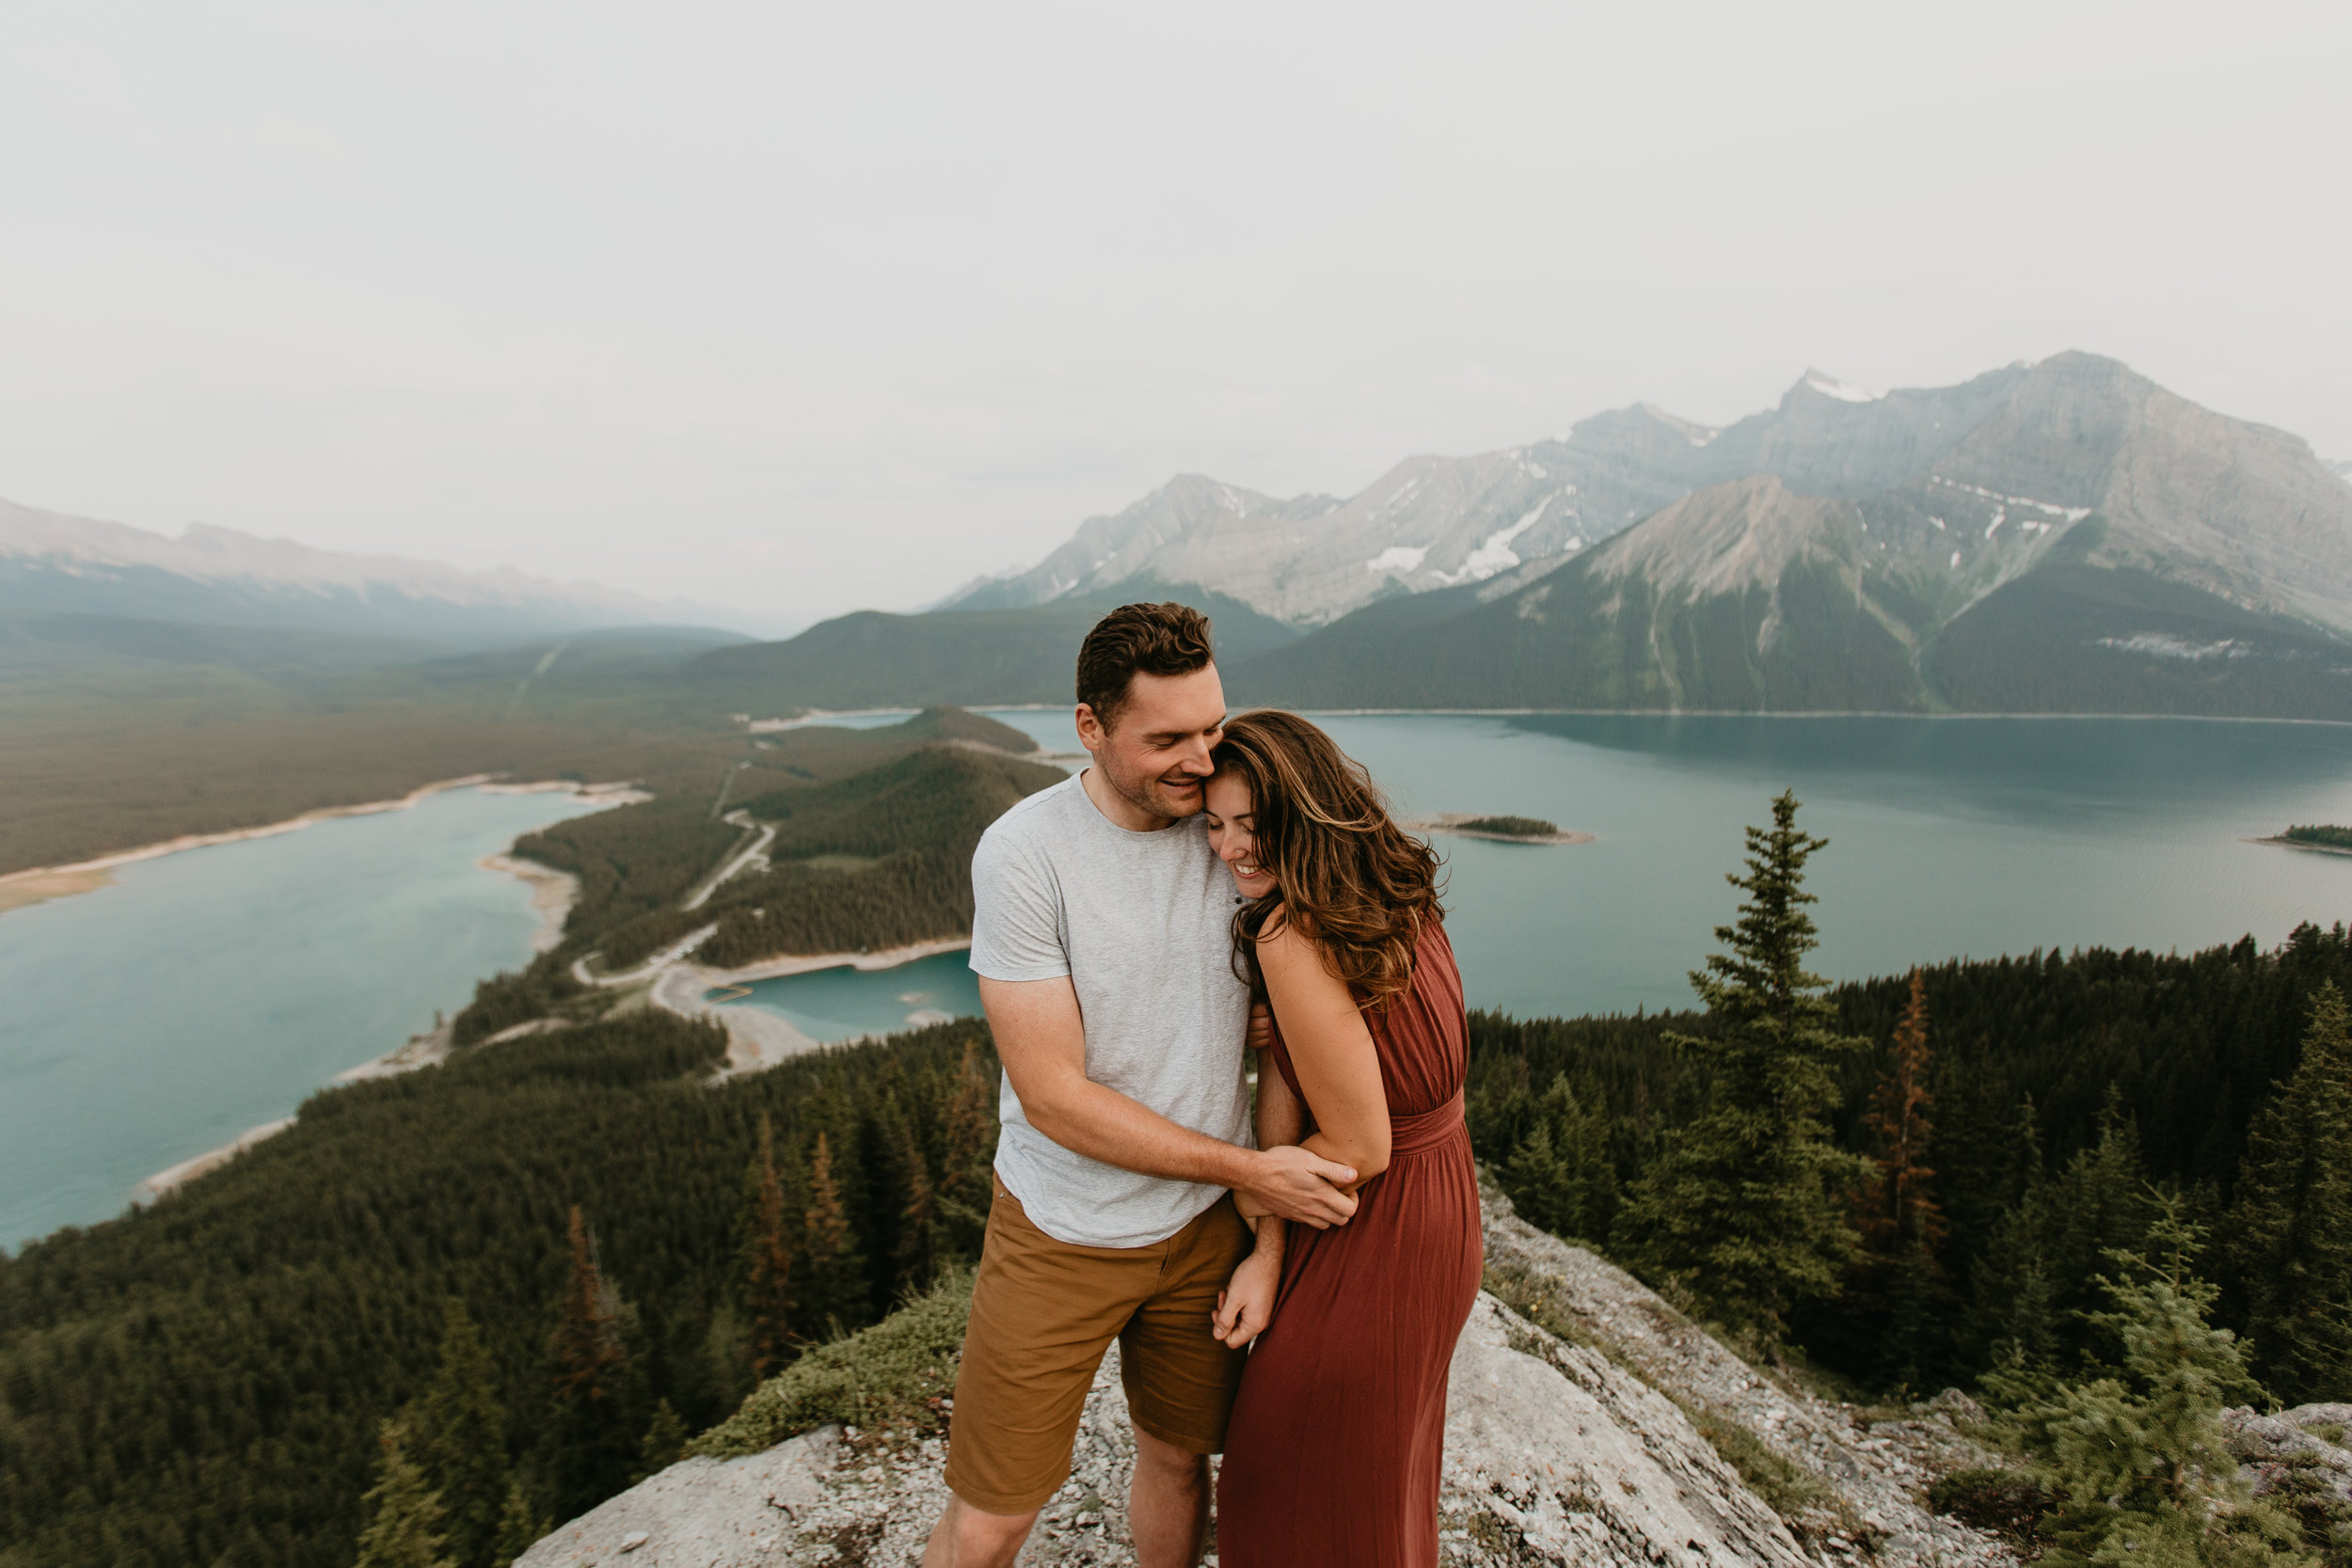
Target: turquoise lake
x=209, y=992
x=1948, y=837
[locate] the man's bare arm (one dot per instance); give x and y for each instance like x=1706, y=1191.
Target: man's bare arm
x=1041, y=1038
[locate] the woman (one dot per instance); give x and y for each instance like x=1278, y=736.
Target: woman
x=1338, y=1432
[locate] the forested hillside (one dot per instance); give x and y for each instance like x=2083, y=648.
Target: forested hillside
x=202, y=1382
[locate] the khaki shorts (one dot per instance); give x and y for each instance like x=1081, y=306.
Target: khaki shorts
x=1042, y=1314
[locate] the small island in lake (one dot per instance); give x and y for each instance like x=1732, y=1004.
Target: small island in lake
x=1510, y=829
x=2327, y=839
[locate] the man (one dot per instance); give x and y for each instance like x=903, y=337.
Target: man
x=1102, y=938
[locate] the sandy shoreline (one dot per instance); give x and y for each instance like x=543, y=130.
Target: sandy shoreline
x=38, y=884
x=552, y=894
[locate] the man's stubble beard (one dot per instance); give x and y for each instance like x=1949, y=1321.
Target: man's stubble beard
x=1147, y=792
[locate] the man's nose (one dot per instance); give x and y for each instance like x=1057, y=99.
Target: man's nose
x=1196, y=758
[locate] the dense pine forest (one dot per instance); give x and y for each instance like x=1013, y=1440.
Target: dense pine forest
x=490, y=1294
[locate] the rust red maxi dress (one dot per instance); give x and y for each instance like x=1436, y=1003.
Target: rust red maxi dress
x=1339, y=1432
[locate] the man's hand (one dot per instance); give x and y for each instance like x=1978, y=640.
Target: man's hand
x=1245, y=1306
x=1294, y=1184
x=1261, y=1034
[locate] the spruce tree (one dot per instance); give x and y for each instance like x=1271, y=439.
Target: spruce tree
x=1900, y=1285
x=1898, y=1212
x=518, y=1528
x=1747, y=1207
x=2291, y=1226
x=592, y=1434
x=2135, y=1451
x=918, y=1217
x=1559, y=1177
x=968, y=1136
x=458, y=1435
x=768, y=1249
x=832, y=1294
x=664, y=1443
x=2038, y=1280
x=404, y=1528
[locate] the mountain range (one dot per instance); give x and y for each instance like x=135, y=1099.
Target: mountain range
x=2065, y=536
x=2062, y=536
x=51, y=563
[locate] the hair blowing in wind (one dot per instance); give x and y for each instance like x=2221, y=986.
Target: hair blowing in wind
x=1344, y=873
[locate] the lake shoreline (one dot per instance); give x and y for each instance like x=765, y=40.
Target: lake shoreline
x=430, y=1049
x=38, y=884
x=757, y=1038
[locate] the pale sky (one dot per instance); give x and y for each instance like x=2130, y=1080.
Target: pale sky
x=802, y=309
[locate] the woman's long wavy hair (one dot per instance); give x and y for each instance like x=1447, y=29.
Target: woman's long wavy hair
x=1344, y=873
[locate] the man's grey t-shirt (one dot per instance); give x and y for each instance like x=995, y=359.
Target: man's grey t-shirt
x=1142, y=923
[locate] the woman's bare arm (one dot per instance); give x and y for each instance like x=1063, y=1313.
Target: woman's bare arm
x=1331, y=1051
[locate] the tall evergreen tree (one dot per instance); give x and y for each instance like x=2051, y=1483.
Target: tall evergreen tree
x=404, y=1528
x=1748, y=1206
x=1559, y=1175
x=918, y=1217
x=592, y=1434
x=458, y=1435
x=832, y=1295
x=768, y=1290
x=968, y=1140
x=2039, y=1278
x=1897, y=1212
x=2291, y=1227
x=664, y=1444
x=519, y=1526
x=1900, y=1282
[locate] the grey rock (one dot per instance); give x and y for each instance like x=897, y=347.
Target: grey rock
x=702, y=1512
x=1559, y=1452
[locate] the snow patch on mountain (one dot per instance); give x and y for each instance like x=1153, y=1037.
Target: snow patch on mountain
x=1399, y=558
x=1829, y=386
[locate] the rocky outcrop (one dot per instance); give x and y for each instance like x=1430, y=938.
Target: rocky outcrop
x=2308, y=1440
x=1578, y=1432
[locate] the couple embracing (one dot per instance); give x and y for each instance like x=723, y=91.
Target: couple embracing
x=1285, y=1281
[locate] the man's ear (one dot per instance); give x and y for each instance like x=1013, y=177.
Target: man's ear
x=1092, y=730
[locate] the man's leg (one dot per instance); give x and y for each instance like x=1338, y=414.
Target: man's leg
x=1042, y=1314
x=1180, y=1385
x=1168, y=1506
x=967, y=1538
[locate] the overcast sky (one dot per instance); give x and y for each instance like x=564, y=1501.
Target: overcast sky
x=799, y=308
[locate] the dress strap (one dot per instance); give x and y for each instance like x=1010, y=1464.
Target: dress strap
x=1418, y=1134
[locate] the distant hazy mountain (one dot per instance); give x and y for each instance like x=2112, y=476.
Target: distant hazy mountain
x=49, y=562
x=2067, y=536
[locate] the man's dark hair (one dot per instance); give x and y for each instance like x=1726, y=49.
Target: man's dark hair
x=1147, y=638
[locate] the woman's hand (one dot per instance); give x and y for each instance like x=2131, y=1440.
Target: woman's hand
x=1245, y=1306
